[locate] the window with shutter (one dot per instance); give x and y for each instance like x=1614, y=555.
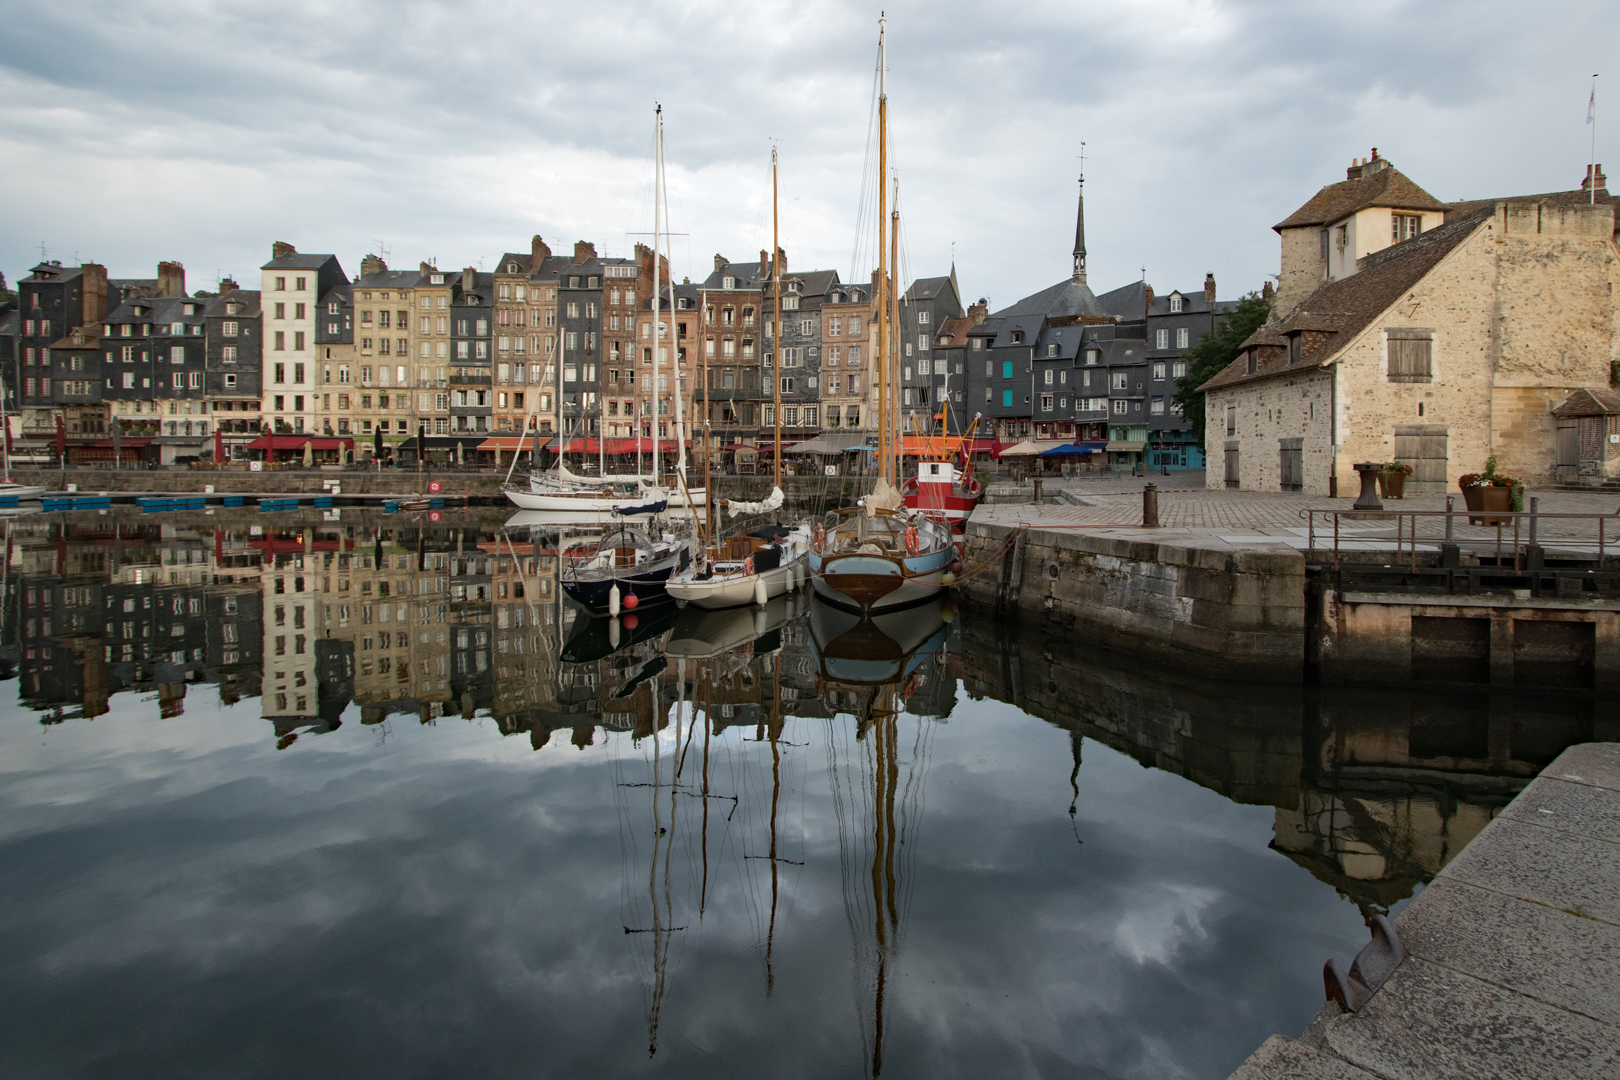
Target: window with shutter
x=1411, y=354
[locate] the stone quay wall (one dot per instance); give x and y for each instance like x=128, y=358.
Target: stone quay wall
x=1236, y=615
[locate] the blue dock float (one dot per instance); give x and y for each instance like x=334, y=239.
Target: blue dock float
x=76, y=502
x=8, y=502
x=271, y=506
x=232, y=500
x=165, y=503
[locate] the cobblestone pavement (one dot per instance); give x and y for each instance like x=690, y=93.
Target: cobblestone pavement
x=1241, y=519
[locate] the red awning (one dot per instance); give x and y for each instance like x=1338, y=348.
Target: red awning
x=508, y=442
x=295, y=442
x=642, y=446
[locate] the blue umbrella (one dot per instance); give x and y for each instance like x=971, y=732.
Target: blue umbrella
x=1066, y=450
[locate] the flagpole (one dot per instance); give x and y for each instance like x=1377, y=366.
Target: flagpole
x=1591, y=121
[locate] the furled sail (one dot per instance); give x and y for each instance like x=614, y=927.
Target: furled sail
x=773, y=503
x=885, y=496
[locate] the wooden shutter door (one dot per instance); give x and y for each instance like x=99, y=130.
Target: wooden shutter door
x=1424, y=447
x=1567, y=449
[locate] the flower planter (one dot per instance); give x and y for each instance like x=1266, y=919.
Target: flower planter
x=1481, y=498
x=1392, y=485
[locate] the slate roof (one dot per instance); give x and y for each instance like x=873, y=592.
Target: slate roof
x=522, y=262
x=387, y=279
x=1342, y=309
x=746, y=273
x=1127, y=301
x=1577, y=197
x=297, y=261
x=1386, y=187
x=926, y=288
x=247, y=301
x=1067, y=297
x=48, y=271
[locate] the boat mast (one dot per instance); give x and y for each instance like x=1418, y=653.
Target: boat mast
x=708, y=454
x=883, y=251
x=658, y=192
x=892, y=303
x=776, y=294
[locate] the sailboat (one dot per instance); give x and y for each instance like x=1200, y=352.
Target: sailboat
x=9, y=488
x=879, y=554
x=769, y=562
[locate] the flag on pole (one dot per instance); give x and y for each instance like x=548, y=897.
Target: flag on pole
x=1591, y=103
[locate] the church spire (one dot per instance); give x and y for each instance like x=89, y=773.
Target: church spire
x=1080, y=237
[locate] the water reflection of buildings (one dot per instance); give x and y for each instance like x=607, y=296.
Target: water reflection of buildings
x=1374, y=790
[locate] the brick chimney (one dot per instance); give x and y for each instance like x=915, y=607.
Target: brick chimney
x=227, y=285
x=372, y=264
x=720, y=262
x=1209, y=288
x=1602, y=181
x=94, y=276
x=1147, y=299
x=584, y=251
x=1267, y=292
x=281, y=248
x=764, y=265
x=171, y=279
x=980, y=311
x=538, y=253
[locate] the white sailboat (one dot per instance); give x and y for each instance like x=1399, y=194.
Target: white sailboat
x=769, y=562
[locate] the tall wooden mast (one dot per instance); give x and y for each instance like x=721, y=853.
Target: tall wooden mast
x=883, y=251
x=776, y=294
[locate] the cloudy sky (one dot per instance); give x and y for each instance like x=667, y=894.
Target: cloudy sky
x=204, y=131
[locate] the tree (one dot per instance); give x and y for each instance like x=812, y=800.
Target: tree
x=1213, y=353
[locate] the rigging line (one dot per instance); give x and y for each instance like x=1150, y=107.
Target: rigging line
x=865, y=196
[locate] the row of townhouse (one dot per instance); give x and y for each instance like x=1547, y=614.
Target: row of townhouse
x=465, y=363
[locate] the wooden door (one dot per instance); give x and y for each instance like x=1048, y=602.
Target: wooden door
x=1292, y=462
x=1424, y=447
x=1232, y=478
x=1567, y=449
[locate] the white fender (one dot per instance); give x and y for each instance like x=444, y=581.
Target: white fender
x=613, y=602
x=760, y=595
x=613, y=633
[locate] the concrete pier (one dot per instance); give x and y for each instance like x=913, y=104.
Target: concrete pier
x=1512, y=953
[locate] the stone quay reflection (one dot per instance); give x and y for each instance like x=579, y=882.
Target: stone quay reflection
x=1374, y=790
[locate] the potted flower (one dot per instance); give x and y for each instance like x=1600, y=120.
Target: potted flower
x=1490, y=491
x=1392, y=479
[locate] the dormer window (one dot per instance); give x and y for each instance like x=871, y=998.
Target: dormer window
x=189, y=309
x=1092, y=356
x=1252, y=360
x=1017, y=336
x=1051, y=348
x=230, y=309
x=1296, y=348
x=728, y=283
x=436, y=279
x=1176, y=304
x=511, y=268
x=1405, y=226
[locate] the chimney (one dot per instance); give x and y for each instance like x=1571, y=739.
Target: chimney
x=469, y=280
x=1354, y=171
x=764, y=265
x=281, y=248
x=584, y=251
x=720, y=262
x=1209, y=288
x=1374, y=164
x=171, y=279
x=227, y=285
x=1147, y=298
x=1602, y=181
x=94, y=276
x=979, y=311
x=428, y=268
x=372, y=264
x=538, y=253
x=1267, y=292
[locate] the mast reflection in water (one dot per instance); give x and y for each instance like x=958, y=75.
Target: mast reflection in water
x=700, y=834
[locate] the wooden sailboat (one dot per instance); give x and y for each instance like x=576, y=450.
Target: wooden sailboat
x=765, y=564
x=878, y=554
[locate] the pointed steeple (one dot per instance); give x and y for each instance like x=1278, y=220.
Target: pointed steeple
x=1080, y=237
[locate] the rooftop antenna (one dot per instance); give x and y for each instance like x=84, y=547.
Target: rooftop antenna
x=42, y=256
x=382, y=250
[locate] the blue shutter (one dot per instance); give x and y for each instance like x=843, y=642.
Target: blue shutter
x=1006, y=397
x=1006, y=369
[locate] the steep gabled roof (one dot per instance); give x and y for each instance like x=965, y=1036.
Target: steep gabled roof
x=1128, y=301
x=1590, y=401
x=1334, y=314
x=954, y=331
x=1385, y=187
x=1067, y=297
x=522, y=262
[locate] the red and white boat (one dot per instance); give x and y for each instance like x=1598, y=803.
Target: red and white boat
x=943, y=492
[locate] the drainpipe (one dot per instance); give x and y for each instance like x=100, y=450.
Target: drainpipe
x=1333, y=434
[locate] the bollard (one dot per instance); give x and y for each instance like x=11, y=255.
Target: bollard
x=1150, y=507
x=1368, y=499
x=1037, y=490
x=1449, y=515
x=1534, y=500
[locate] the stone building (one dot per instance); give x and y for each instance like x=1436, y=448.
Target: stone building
x=338, y=359
x=1439, y=344
x=733, y=298
x=800, y=348
x=291, y=286
x=920, y=317
x=52, y=301
x=471, y=392
x=1176, y=322
x=516, y=370
x=153, y=361
x=383, y=300
x=848, y=363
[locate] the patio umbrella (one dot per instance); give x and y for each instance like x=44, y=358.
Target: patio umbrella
x=459, y=461
x=219, y=444
x=117, y=442
x=309, y=453
x=376, y=443
x=1065, y=450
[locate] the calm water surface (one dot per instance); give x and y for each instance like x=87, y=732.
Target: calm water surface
x=357, y=799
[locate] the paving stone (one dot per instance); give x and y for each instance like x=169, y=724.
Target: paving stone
x=1559, y=869
x=1532, y=949
x=1597, y=764
x=1585, y=809
x=1280, y=1059
x=1432, y=1023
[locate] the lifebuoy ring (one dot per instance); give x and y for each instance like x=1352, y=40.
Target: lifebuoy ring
x=748, y=566
x=912, y=543
x=433, y=486
x=821, y=536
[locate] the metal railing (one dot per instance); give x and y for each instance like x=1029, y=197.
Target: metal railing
x=1524, y=525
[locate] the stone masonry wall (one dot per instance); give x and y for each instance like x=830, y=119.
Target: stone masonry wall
x=1217, y=613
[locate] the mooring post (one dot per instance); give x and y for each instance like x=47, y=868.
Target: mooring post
x=1534, y=500
x=1037, y=490
x=1450, y=517
x=1150, y=507
x=1368, y=499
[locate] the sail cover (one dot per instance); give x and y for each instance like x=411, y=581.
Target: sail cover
x=773, y=503
x=884, y=497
